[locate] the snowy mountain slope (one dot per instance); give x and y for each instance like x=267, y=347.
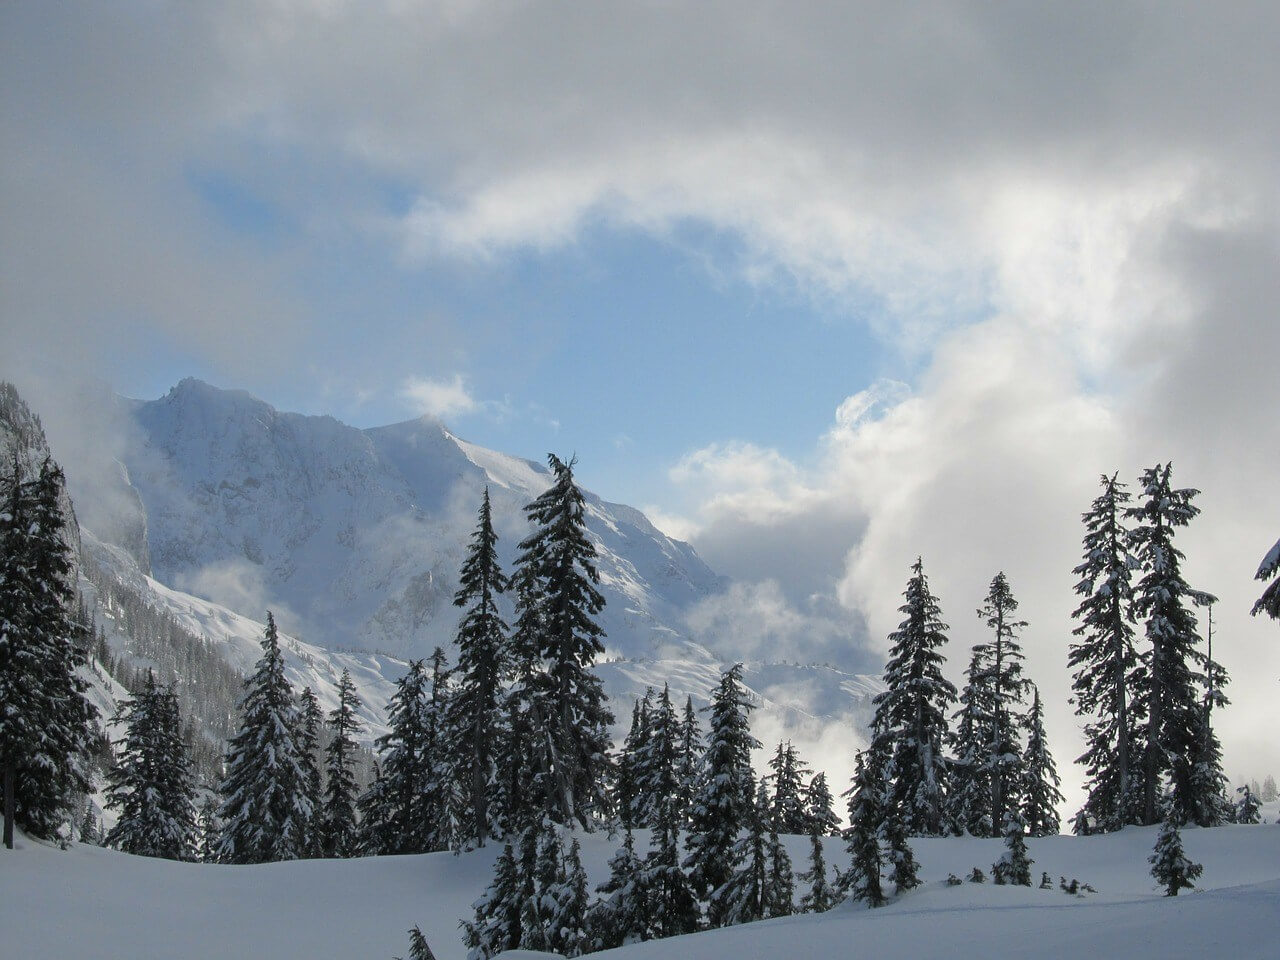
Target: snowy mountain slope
x=104, y=904
x=354, y=536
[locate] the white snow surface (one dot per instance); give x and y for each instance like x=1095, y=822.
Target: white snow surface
x=96, y=903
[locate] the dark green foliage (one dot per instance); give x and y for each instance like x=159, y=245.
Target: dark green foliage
x=338, y=831
x=1169, y=864
x=484, y=661
x=820, y=897
x=210, y=830
x=1000, y=662
x=46, y=724
x=779, y=891
x=1269, y=602
x=787, y=813
x=558, y=639
x=1040, y=793
x=911, y=715
x=496, y=925
x=1176, y=746
x=151, y=785
x=1106, y=664
x=310, y=721
x=745, y=895
x=866, y=814
x=265, y=810
x=820, y=814
x=726, y=799
x=904, y=872
x=621, y=914
x=1014, y=866
x=969, y=804
x=418, y=947
x=1248, y=810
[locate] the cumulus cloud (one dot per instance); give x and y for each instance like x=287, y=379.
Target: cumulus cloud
x=440, y=398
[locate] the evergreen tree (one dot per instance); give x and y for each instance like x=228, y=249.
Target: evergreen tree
x=1170, y=866
x=1269, y=602
x=1013, y=867
x=151, y=785
x=210, y=830
x=1175, y=737
x=46, y=723
x=621, y=915
x=1269, y=791
x=418, y=946
x=691, y=750
x=672, y=907
x=779, y=891
x=1040, y=793
x=394, y=814
x=725, y=801
x=265, y=808
x=1001, y=661
x=1248, y=810
x=866, y=814
x=445, y=800
x=912, y=712
x=484, y=661
x=339, y=816
x=567, y=907
x=627, y=799
x=819, y=898
x=904, y=871
x=560, y=561
x=787, y=811
x=310, y=721
x=496, y=925
x=1106, y=663
x=744, y=896
x=820, y=813
x=969, y=804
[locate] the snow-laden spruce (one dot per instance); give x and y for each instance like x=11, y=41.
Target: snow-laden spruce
x=1269, y=602
x=265, y=810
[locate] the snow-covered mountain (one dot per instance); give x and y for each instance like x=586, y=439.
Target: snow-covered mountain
x=355, y=537
x=221, y=507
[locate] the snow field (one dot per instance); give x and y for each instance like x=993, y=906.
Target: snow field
x=98, y=903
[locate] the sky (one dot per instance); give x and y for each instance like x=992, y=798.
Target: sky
x=822, y=287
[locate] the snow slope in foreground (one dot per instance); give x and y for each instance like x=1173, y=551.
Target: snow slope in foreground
x=96, y=903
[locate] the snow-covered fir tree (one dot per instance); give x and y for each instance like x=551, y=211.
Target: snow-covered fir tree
x=1106, y=666
x=620, y=915
x=338, y=831
x=484, y=662
x=969, y=802
x=1248, y=808
x=861, y=881
x=496, y=922
x=911, y=714
x=419, y=949
x=566, y=906
x=820, y=812
x=46, y=724
x=210, y=830
x=1170, y=866
x=779, y=890
x=151, y=785
x=1001, y=662
x=726, y=798
x=787, y=811
x=310, y=720
x=265, y=809
x=1040, y=793
x=1175, y=734
x=743, y=897
x=557, y=602
x=904, y=871
x=691, y=752
x=1269, y=602
x=394, y=811
x=1014, y=866
x=626, y=799
x=819, y=898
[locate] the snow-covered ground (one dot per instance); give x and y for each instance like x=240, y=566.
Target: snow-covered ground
x=95, y=903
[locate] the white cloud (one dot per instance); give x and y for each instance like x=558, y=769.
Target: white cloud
x=439, y=398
